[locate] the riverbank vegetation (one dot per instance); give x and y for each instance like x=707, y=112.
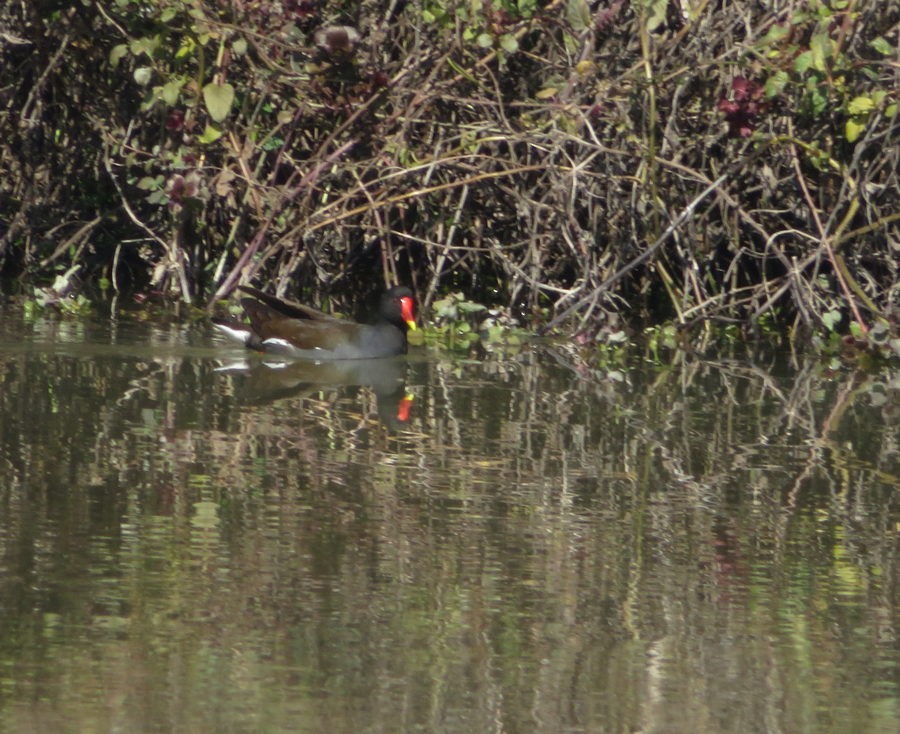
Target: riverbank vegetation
x=574, y=165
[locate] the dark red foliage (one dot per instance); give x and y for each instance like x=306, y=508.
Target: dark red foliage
x=301, y=8
x=175, y=121
x=179, y=188
x=337, y=40
x=743, y=112
x=378, y=80
x=498, y=19
x=607, y=17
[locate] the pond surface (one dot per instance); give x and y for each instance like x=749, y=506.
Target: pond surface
x=188, y=544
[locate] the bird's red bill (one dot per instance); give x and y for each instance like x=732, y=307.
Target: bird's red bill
x=407, y=311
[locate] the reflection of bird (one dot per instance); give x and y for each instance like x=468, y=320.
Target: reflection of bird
x=293, y=330
x=264, y=382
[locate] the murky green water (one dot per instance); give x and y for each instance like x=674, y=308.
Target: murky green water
x=523, y=547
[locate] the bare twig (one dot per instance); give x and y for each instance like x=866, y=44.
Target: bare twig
x=640, y=259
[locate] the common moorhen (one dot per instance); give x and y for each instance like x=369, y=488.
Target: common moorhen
x=293, y=330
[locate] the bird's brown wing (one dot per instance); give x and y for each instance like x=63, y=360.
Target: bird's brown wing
x=328, y=334
x=287, y=308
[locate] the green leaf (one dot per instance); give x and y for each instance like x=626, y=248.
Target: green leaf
x=776, y=83
x=117, y=54
x=445, y=309
x=527, y=8
x=882, y=46
x=171, y=90
x=492, y=334
x=144, y=46
x=239, y=46
x=218, y=99
x=803, y=62
x=854, y=128
x=484, y=40
x=210, y=135
x=776, y=33
x=831, y=319
x=149, y=183
x=509, y=43
x=860, y=105
x=821, y=46
x=273, y=143
x=142, y=75
x=657, y=15
x=578, y=14
x=186, y=48
x=817, y=101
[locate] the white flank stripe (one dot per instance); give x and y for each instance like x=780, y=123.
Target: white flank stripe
x=241, y=335
x=233, y=367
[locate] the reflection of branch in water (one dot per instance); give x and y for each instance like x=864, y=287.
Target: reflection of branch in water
x=263, y=382
x=138, y=385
